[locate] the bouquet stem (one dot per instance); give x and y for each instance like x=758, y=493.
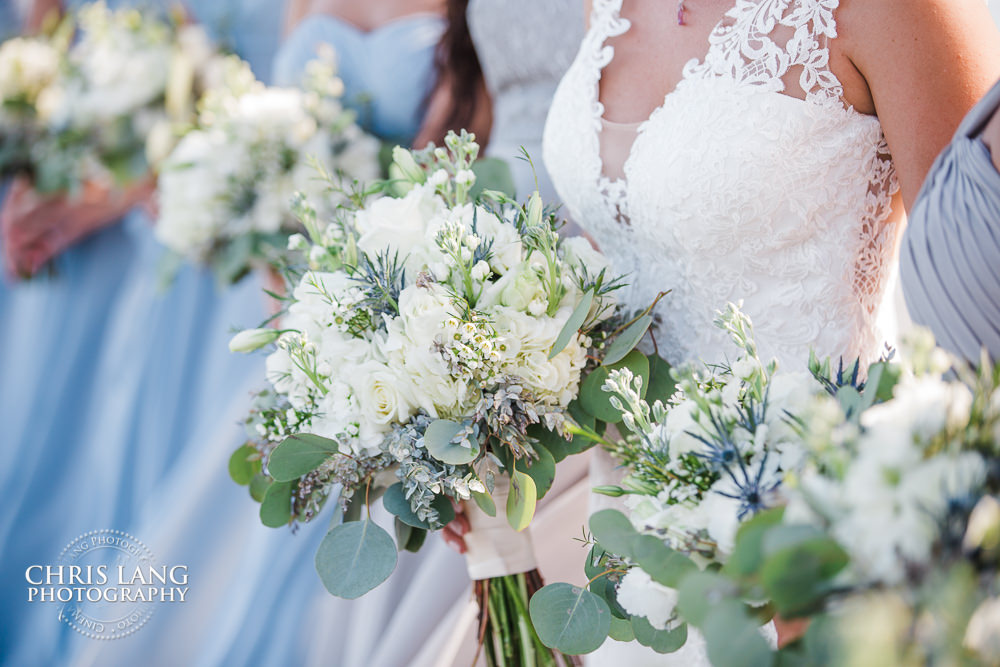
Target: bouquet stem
x=506, y=635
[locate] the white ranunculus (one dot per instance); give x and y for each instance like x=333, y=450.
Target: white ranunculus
x=639, y=595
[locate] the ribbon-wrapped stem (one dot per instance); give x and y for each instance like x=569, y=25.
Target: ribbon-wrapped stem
x=501, y=562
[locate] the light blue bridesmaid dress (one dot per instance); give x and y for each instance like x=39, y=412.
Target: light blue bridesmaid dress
x=111, y=390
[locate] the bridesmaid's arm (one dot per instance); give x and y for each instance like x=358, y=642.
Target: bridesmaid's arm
x=38, y=11
x=924, y=63
x=294, y=13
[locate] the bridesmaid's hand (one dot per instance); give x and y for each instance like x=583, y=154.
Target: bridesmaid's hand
x=35, y=228
x=454, y=532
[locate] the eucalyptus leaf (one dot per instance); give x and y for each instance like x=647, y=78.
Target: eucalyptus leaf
x=394, y=500
x=438, y=442
x=748, y=555
x=417, y=538
x=573, y=324
x=697, y=590
x=570, y=619
x=485, y=502
x=797, y=577
x=259, y=485
x=521, y=501
x=299, y=455
x=596, y=401
x=614, y=532
x=403, y=533
x=626, y=341
x=593, y=566
x=241, y=467
x=663, y=564
x=542, y=470
x=621, y=630
x=733, y=638
x=492, y=174
x=354, y=558
x=558, y=446
x=661, y=641
x=276, y=506
x=661, y=381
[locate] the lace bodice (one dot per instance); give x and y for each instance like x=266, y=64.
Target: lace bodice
x=752, y=181
x=524, y=48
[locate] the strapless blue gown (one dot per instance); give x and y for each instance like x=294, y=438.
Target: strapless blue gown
x=112, y=390
x=387, y=72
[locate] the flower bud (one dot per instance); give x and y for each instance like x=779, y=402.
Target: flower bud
x=610, y=490
x=253, y=339
x=535, y=210
x=403, y=159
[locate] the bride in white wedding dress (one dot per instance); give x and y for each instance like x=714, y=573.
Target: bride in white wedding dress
x=760, y=151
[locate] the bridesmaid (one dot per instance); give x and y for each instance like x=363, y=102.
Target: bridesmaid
x=109, y=388
x=950, y=258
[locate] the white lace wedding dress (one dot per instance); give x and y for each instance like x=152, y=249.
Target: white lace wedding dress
x=752, y=181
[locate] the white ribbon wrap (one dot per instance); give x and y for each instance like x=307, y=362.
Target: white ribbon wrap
x=494, y=549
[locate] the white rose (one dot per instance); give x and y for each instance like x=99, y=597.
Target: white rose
x=506, y=251
x=399, y=225
x=577, y=251
x=383, y=397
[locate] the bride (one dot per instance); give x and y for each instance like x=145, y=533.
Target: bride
x=763, y=151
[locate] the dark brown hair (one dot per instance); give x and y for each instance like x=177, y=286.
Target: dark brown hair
x=458, y=67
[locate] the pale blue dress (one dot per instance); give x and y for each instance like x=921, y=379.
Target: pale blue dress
x=112, y=391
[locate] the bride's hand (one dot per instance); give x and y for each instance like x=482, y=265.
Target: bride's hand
x=455, y=531
x=36, y=228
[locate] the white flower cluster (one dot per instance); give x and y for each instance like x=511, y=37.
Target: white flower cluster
x=885, y=490
x=362, y=370
x=97, y=100
x=236, y=174
x=712, y=458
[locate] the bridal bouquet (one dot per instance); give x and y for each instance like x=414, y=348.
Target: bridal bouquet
x=866, y=502
x=79, y=105
x=430, y=355
x=226, y=190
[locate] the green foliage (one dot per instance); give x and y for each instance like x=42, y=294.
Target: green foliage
x=521, y=501
x=276, y=505
x=396, y=503
x=244, y=464
x=354, y=558
x=570, y=619
x=542, y=470
x=596, y=401
x=439, y=440
x=573, y=324
x=661, y=641
x=626, y=341
x=614, y=532
x=299, y=455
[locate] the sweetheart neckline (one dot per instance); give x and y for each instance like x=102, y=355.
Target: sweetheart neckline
x=415, y=17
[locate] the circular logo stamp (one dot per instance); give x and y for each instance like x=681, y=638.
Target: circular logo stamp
x=102, y=570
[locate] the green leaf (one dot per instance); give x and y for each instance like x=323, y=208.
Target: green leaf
x=593, y=567
x=417, y=538
x=299, y=455
x=799, y=568
x=661, y=563
x=521, y=501
x=492, y=174
x=661, y=641
x=403, y=533
x=734, y=639
x=573, y=324
x=241, y=467
x=627, y=340
x=697, y=590
x=570, y=619
x=614, y=532
x=621, y=630
x=558, y=446
x=259, y=486
x=276, y=507
x=748, y=552
x=438, y=442
x=596, y=401
x=354, y=558
x=661, y=381
x=542, y=470
x=485, y=502
x=850, y=401
x=396, y=503
x=882, y=388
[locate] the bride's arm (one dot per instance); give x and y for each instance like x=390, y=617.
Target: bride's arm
x=925, y=64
